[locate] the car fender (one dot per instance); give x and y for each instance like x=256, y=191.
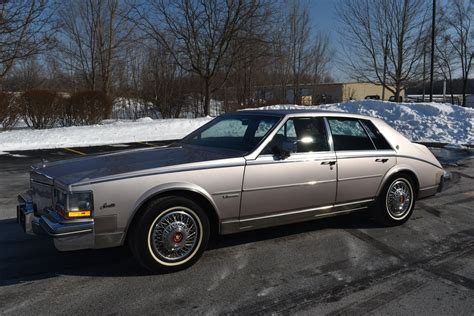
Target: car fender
x=169, y=187
x=396, y=169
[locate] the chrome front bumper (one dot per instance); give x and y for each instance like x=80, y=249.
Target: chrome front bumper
x=67, y=234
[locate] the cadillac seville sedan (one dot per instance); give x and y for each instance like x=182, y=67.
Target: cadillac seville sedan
x=241, y=171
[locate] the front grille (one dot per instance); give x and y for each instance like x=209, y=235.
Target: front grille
x=41, y=193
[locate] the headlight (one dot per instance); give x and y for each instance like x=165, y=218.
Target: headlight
x=74, y=204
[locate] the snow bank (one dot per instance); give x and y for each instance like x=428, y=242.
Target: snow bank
x=115, y=132
x=423, y=122
x=420, y=122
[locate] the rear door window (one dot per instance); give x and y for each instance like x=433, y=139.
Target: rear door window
x=348, y=134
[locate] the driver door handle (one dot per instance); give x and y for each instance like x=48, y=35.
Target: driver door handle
x=331, y=163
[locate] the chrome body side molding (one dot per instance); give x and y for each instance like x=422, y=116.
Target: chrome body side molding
x=250, y=223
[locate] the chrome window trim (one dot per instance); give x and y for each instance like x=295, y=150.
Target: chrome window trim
x=329, y=134
x=367, y=133
x=296, y=157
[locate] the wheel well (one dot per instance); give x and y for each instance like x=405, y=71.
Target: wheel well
x=196, y=197
x=412, y=176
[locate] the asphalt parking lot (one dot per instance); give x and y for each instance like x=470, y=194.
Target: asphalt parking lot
x=341, y=265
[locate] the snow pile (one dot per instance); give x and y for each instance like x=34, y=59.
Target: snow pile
x=131, y=108
x=116, y=132
x=420, y=122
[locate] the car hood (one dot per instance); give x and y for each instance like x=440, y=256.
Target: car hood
x=72, y=171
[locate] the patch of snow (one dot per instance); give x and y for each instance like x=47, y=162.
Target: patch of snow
x=115, y=132
x=145, y=119
x=421, y=122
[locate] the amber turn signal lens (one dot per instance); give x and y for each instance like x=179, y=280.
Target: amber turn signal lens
x=74, y=214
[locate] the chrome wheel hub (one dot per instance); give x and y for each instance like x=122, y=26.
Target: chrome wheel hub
x=399, y=198
x=174, y=235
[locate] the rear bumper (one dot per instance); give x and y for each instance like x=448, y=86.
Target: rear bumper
x=67, y=234
x=445, y=180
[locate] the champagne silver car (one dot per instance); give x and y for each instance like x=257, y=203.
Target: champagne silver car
x=241, y=171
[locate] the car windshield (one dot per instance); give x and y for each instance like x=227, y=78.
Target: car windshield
x=242, y=132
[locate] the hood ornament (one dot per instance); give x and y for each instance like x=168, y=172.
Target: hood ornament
x=43, y=162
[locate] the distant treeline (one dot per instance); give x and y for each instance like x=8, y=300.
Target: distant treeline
x=455, y=88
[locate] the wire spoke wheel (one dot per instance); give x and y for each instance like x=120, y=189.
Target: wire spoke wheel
x=175, y=234
x=399, y=199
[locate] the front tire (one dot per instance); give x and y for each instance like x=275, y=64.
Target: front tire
x=396, y=202
x=170, y=235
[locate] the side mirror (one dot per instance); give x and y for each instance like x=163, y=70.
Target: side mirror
x=289, y=146
x=284, y=150
x=279, y=153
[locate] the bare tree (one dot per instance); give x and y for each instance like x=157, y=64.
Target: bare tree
x=163, y=81
x=383, y=40
x=252, y=59
x=29, y=73
x=321, y=56
x=202, y=35
x=92, y=34
x=25, y=30
x=446, y=62
x=298, y=45
x=128, y=81
x=279, y=71
x=460, y=36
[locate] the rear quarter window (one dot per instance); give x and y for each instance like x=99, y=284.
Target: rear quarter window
x=379, y=140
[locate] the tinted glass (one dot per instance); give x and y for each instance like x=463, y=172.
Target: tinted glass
x=305, y=134
x=239, y=132
x=378, y=139
x=348, y=134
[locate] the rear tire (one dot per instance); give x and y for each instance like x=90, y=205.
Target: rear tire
x=170, y=235
x=396, y=201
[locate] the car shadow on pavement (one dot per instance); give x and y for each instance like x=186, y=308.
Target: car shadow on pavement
x=28, y=258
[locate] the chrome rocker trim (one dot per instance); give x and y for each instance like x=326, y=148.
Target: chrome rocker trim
x=234, y=226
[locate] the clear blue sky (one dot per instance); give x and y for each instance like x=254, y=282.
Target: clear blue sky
x=324, y=18
x=323, y=15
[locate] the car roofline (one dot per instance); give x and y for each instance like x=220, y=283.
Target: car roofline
x=302, y=112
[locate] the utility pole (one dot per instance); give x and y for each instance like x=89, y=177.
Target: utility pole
x=444, y=91
x=433, y=28
x=424, y=73
x=385, y=53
